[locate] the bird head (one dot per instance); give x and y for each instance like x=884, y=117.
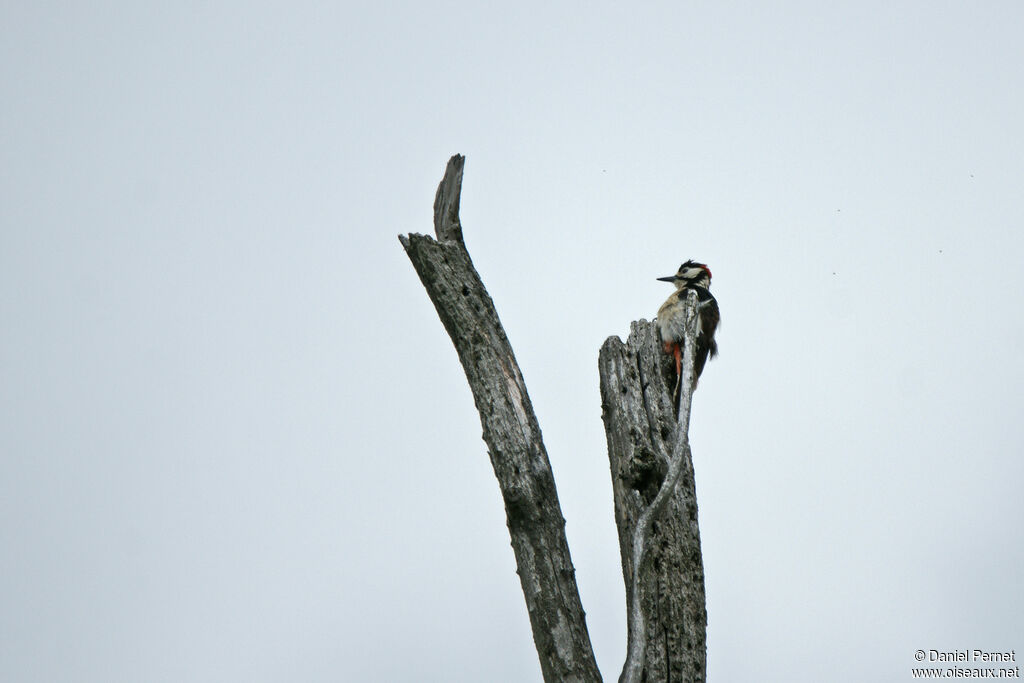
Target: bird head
x=690, y=274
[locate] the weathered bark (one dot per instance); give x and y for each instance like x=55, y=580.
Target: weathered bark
x=513, y=438
x=641, y=428
x=652, y=473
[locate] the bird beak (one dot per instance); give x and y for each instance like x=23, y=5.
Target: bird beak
x=670, y=278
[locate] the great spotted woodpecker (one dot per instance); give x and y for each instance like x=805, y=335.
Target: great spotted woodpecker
x=671, y=318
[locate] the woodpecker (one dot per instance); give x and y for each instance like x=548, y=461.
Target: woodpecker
x=672, y=319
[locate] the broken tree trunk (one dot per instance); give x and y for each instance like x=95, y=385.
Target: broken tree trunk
x=644, y=432
x=513, y=438
x=647, y=446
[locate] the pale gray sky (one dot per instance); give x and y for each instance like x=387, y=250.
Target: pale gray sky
x=238, y=446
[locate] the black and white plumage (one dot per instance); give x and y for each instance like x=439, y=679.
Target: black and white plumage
x=691, y=276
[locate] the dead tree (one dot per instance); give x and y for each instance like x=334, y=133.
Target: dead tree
x=651, y=466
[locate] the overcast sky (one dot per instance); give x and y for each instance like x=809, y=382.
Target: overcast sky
x=236, y=443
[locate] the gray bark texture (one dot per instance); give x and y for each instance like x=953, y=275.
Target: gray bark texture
x=647, y=446
x=641, y=428
x=513, y=439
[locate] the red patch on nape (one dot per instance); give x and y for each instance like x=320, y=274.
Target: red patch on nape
x=707, y=270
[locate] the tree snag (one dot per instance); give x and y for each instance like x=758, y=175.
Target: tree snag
x=652, y=472
x=655, y=505
x=513, y=438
